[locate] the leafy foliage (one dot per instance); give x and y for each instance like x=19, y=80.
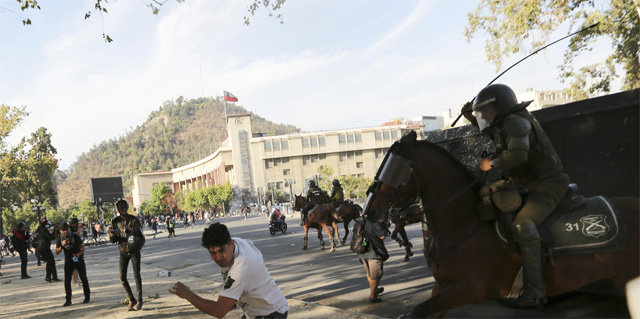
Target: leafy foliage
x=354, y=187
x=512, y=24
x=208, y=198
x=178, y=133
x=100, y=6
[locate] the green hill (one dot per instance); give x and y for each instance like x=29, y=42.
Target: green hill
x=178, y=133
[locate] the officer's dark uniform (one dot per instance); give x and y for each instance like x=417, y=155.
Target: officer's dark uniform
x=337, y=194
x=527, y=159
x=315, y=196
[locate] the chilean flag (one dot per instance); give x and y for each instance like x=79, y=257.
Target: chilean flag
x=230, y=97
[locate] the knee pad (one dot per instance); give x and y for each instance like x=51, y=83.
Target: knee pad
x=525, y=230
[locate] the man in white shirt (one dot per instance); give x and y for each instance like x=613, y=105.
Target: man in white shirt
x=247, y=281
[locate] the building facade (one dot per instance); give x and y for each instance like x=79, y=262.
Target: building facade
x=283, y=162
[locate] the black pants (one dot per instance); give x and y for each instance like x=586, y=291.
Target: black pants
x=273, y=315
x=23, y=262
x=47, y=256
x=124, y=264
x=69, y=266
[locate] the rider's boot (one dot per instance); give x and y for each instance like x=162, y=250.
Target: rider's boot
x=534, y=289
x=302, y=218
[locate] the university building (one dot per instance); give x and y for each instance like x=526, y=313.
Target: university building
x=284, y=162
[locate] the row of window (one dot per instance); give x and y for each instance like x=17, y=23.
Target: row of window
x=313, y=158
x=276, y=145
x=275, y=162
x=349, y=155
x=386, y=135
x=313, y=141
x=349, y=138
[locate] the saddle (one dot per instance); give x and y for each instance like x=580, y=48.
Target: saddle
x=578, y=225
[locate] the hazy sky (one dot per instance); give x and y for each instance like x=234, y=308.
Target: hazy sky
x=332, y=64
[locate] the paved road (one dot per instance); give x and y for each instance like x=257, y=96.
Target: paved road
x=324, y=278
x=337, y=279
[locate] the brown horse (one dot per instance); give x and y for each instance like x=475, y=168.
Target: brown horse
x=467, y=258
x=400, y=217
x=347, y=212
x=319, y=217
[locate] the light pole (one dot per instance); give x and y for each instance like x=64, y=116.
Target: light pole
x=36, y=207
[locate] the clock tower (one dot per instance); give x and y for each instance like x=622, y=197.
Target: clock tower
x=239, y=130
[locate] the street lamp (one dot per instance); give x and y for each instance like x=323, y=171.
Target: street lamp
x=36, y=207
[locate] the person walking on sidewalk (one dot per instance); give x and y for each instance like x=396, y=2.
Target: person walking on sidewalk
x=44, y=248
x=126, y=231
x=247, y=281
x=73, y=248
x=19, y=242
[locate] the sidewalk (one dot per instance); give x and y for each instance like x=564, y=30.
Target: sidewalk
x=36, y=298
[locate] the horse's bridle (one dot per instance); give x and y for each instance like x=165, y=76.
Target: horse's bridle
x=396, y=172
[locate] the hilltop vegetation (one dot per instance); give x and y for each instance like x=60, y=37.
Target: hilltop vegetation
x=178, y=133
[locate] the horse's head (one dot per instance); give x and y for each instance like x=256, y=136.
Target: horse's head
x=299, y=202
x=394, y=183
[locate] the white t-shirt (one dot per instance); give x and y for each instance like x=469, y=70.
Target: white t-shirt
x=248, y=281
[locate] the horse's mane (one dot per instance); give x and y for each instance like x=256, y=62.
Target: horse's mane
x=446, y=154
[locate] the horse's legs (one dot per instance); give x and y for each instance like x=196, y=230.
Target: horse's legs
x=449, y=297
x=346, y=231
x=306, y=236
x=326, y=229
x=320, y=237
x=407, y=244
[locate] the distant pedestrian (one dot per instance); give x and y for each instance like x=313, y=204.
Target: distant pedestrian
x=73, y=248
x=171, y=227
x=154, y=226
x=19, y=242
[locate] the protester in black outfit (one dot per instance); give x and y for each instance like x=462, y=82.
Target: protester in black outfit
x=19, y=241
x=44, y=248
x=126, y=231
x=73, y=248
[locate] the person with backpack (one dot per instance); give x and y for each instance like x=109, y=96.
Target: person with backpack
x=126, y=231
x=374, y=256
x=20, y=244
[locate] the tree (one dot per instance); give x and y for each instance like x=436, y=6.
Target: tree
x=85, y=210
x=161, y=200
x=100, y=6
x=11, y=164
x=40, y=167
x=512, y=23
x=326, y=176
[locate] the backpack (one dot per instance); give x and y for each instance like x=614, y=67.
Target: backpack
x=359, y=243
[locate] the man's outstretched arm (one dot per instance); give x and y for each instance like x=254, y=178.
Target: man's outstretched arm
x=217, y=309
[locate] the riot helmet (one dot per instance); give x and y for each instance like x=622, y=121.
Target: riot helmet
x=494, y=102
x=335, y=183
x=312, y=183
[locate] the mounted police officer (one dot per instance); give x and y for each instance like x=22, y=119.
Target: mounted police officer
x=315, y=196
x=527, y=160
x=337, y=194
